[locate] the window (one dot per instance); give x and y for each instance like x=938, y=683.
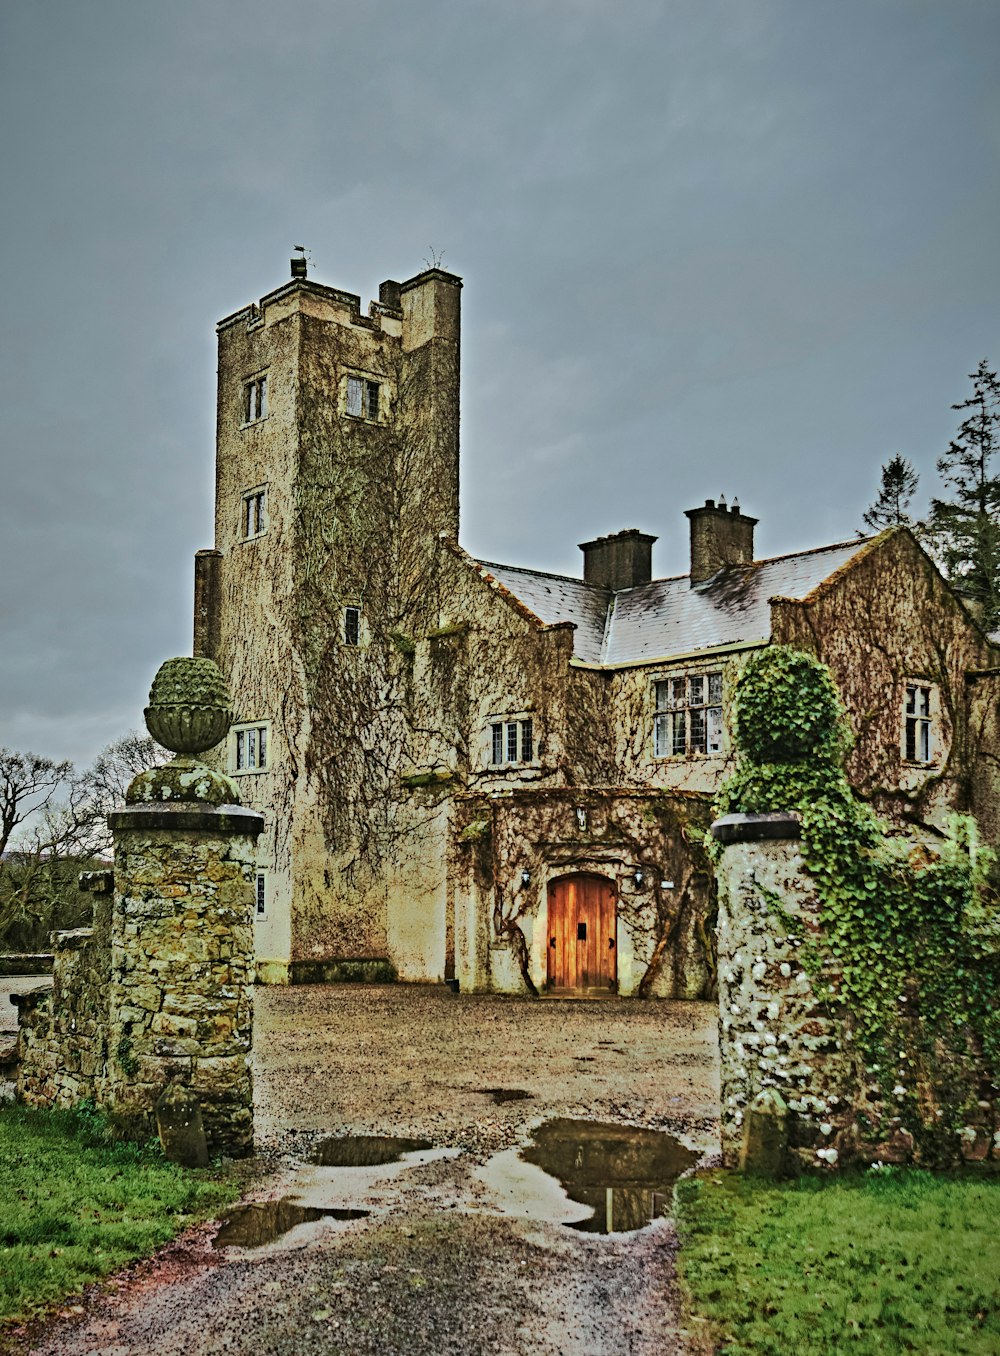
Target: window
x=352, y=626
x=255, y=400
x=261, y=895
x=513, y=741
x=251, y=747
x=688, y=715
x=253, y=514
x=918, y=746
x=362, y=398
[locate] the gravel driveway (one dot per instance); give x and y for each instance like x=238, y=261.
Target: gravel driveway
x=464, y=1249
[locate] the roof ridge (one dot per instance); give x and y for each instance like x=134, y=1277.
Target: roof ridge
x=546, y=574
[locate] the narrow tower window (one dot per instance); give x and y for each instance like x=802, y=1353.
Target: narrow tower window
x=250, y=748
x=254, y=400
x=352, y=625
x=253, y=514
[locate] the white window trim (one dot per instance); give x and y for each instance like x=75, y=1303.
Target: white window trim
x=520, y=726
x=926, y=720
x=254, y=394
x=672, y=707
x=246, y=498
x=247, y=751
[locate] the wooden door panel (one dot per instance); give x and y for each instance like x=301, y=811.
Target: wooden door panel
x=582, y=920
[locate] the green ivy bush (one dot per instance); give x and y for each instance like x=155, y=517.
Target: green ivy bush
x=912, y=931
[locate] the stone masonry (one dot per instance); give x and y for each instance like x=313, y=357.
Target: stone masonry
x=160, y=990
x=777, y=1032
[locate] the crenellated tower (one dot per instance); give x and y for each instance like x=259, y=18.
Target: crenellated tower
x=336, y=471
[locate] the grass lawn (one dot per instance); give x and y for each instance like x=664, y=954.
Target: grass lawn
x=887, y=1261
x=76, y=1205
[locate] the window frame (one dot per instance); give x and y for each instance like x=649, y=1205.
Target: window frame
x=254, y=400
x=352, y=610
x=253, y=505
x=244, y=753
x=688, y=715
x=370, y=390
x=921, y=721
x=261, y=893
x=514, y=738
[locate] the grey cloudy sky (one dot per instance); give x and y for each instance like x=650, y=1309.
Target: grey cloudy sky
x=739, y=246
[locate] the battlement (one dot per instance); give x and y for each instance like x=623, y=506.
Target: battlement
x=301, y=293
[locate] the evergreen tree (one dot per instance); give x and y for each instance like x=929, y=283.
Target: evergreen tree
x=891, y=508
x=965, y=529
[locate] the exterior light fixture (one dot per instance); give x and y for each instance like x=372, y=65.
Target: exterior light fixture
x=581, y=817
x=525, y=877
x=639, y=877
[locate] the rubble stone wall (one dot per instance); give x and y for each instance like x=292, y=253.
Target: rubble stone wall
x=777, y=1031
x=63, y=1030
x=160, y=987
x=181, y=973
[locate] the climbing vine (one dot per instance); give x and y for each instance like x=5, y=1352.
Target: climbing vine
x=908, y=935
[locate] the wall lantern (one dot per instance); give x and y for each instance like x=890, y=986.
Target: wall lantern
x=639, y=877
x=581, y=817
x=525, y=877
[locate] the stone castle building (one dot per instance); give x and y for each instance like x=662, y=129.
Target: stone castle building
x=487, y=774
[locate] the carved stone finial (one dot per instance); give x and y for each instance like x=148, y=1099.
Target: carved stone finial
x=189, y=708
x=188, y=712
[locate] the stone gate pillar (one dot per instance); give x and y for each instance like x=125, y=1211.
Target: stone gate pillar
x=775, y=1030
x=182, y=956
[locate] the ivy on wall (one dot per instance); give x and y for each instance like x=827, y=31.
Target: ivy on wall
x=908, y=937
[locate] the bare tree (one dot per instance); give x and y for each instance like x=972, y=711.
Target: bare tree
x=28, y=783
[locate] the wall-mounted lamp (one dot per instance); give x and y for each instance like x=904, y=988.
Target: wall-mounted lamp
x=525, y=877
x=639, y=877
x=581, y=817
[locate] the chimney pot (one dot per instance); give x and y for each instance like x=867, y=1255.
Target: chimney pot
x=719, y=537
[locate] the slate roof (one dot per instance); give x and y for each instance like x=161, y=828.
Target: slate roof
x=669, y=616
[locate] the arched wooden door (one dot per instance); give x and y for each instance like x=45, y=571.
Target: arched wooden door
x=582, y=946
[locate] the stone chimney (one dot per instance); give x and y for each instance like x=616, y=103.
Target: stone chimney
x=622, y=560
x=720, y=536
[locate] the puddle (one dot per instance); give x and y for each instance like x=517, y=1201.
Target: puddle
x=251, y=1226
x=624, y=1175
x=500, y=1095
x=364, y=1151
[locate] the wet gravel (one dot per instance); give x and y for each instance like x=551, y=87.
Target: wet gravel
x=442, y=1263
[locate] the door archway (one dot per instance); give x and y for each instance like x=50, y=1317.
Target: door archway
x=582, y=942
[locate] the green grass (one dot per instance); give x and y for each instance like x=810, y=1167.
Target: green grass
x=889, y=1261
x=76, y=1205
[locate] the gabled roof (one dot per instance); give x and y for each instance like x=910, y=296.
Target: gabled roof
x=670, y=616
x=555, y=598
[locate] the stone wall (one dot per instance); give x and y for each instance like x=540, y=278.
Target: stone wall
x=63, y=1031
x=777, y=1031
x=182, y=967
x=159, y=989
